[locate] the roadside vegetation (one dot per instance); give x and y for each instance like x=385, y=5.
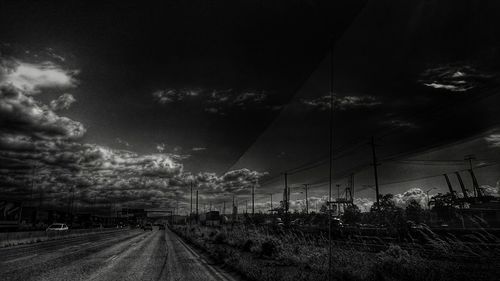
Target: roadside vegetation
x=403, y=251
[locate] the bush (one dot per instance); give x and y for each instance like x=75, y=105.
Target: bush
x=247, y=246
x=271, y=247
x=220, y=238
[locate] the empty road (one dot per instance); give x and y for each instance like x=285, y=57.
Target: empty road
x=127, y=255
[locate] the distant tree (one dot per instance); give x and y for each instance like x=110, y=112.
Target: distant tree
x=444, y=206
x=386, y=204
x=323, y=209
x=414, y=211
x=386, y=212
x=352, y=214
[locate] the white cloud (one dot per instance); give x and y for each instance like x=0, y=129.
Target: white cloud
x=170, y=95
x=21, y=113
x=123, y=142
x=458, y=77
x=492, y=190
x=342, y=103
x=31, y=78
x=493, y=140
x=198, y=148
x=416, y=194
x=160, y=147
x=64, y=101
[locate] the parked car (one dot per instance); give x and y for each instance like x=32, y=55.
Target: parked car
x=148, y=226
x=57, y=227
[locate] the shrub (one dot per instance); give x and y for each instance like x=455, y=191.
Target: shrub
x=247, y=246
x=220, y=238
x=271, y=247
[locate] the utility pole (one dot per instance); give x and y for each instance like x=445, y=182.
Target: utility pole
x=374, y=156
x=224, y=208
x=191, y=210
x=306, y=187
x=332, y=103
x=33, y=174
x=196, y=205
x=253, y=199
x=271, y=210
x=286, y=195
x=351, y=185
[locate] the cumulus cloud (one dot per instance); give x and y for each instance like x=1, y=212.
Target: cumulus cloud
x=64, y=101
x=493, y=140
x=416, y=194
x=459, y=77
x=31, y=78
x=342, y=103
x=21, y=113
x=230, y=182
x=492, y=190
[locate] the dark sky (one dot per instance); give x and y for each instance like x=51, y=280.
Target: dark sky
x=133, y=101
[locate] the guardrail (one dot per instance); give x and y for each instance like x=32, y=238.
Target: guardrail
x=27, y=237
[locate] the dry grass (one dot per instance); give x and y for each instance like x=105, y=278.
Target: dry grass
x=260, y=254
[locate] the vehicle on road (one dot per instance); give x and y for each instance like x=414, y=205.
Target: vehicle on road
x=148, y=226
x=57, y=227
x=162, y=227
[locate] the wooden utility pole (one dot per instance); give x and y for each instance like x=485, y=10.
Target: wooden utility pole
x=286, y=193
x=196, y=205
x=375, y=164
x=253, y=199
x=332, y=104
x=306, y=187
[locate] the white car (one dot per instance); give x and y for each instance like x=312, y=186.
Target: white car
x=57, y=227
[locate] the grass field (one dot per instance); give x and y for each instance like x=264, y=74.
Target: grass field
x=263, y=254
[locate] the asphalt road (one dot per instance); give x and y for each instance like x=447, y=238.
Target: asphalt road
x=127, y=255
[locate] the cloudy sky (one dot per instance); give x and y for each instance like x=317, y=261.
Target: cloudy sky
x=129, y=104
